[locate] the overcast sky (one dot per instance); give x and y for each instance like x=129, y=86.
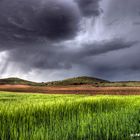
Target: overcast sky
x=44, y=40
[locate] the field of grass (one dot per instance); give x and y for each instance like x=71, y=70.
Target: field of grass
x=68, y=117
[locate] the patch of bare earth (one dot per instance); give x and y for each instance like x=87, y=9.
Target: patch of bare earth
x=84, y=89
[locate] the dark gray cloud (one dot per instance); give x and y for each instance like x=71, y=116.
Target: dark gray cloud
x=124, y=10
x=136, y=23
x=60, y=57
x=120, y=65
x=89, y=7
x=25, y=20
x=105, y=47
x=58, y=20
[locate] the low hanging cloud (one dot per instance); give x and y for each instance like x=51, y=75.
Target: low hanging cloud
x=61, y=57
x=105, y=46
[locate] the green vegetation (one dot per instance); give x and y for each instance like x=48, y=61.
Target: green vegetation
x=68, y=117
x=78, y=81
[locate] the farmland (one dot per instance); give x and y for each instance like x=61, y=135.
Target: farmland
x=72, y=89
x=68, y=117
x=81, y=108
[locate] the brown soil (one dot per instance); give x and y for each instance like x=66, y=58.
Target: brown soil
x=84, y=89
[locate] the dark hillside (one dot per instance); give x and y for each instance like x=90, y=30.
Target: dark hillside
x=16, y=81
x=78, y=81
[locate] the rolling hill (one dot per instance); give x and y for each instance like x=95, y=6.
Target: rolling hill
x=16, y=81
x=84, y=80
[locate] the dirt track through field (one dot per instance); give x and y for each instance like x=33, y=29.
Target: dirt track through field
x=84, y=89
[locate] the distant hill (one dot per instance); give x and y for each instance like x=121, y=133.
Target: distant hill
x=78, y=81
x=16, y=81
x=83, y=80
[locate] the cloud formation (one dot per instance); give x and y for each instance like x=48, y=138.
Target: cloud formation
x=38, y=18
x=89, y=8
x=60, y=57
x=58, y=37
x=50, y=19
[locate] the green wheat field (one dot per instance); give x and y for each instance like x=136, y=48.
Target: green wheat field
x=68, y=117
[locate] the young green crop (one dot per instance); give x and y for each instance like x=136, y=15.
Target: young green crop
x=68, y=117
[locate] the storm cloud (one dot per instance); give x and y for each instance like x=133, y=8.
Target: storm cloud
x=89, y=7
x=24, y=20
x=53, y=39
x=60, y=57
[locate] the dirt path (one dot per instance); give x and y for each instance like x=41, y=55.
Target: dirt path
x=84, y=89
